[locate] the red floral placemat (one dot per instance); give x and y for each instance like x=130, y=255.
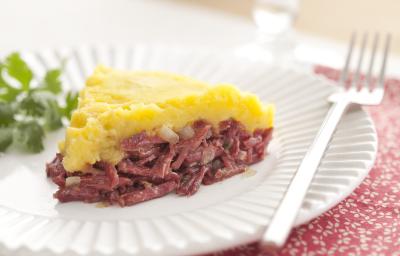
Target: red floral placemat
x=368, y=221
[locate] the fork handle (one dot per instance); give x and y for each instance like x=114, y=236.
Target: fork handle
x=287, y=211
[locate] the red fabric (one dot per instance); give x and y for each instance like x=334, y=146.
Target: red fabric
x=368, y=221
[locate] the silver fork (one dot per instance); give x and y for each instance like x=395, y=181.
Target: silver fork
x=278, y=230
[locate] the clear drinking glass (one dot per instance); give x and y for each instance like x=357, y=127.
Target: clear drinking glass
x=275, y=18
x=274, y=40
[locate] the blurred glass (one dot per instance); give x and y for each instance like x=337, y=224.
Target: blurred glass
x=275, y=40
x=275, y=18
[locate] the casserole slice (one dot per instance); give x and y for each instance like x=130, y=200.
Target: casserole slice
x=140, y=135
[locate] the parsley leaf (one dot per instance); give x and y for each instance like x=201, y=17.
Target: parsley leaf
x=7, y=92
x=52, y=81
x=10, y=94
x=71, y=103
x=52, y=116
x=6, y=114
x=18, y=69
x=32, y=105
x=6, y=138
x=27, y=112
x=3, y=83
x=42, y=104
x=28, y=135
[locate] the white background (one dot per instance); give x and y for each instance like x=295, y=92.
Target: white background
x=38, y=24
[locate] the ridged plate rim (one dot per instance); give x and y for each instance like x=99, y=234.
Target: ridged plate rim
x=237, y=228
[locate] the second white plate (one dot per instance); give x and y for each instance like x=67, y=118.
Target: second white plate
x=230, y=213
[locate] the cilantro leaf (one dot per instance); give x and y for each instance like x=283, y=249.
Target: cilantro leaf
x=6, y=138
x=52, y=116
x=6, y=114
x=52, y=82
x=71, y=103
x=28, y=135
x=18, y=69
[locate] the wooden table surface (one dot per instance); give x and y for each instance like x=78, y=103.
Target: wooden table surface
x=327, y=18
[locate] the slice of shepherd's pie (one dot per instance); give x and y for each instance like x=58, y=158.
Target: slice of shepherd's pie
x=140, y=135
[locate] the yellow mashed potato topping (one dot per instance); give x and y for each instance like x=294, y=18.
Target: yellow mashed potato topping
x=118, y=104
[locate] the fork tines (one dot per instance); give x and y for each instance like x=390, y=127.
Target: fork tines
x=369, y=80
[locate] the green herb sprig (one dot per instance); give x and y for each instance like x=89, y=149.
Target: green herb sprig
x=28, y=110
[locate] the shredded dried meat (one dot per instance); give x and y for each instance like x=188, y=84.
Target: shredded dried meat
x=152, y=167
x=55, y=170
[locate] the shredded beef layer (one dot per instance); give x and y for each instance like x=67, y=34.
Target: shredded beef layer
x=152, y=167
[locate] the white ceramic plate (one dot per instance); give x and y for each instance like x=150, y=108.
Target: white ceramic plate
x=222, y=215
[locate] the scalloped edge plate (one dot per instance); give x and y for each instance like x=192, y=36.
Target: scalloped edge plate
x=223, y=215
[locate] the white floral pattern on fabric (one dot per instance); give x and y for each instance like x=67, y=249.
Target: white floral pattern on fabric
x=368, y=221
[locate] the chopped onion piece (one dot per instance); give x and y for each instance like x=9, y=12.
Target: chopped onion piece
x=242, y=155
x=209, y=134
x=208, y=155
x=168, y=134
x=186, y=132
x=73, y=180
x=248, y=172
x=102, y=204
